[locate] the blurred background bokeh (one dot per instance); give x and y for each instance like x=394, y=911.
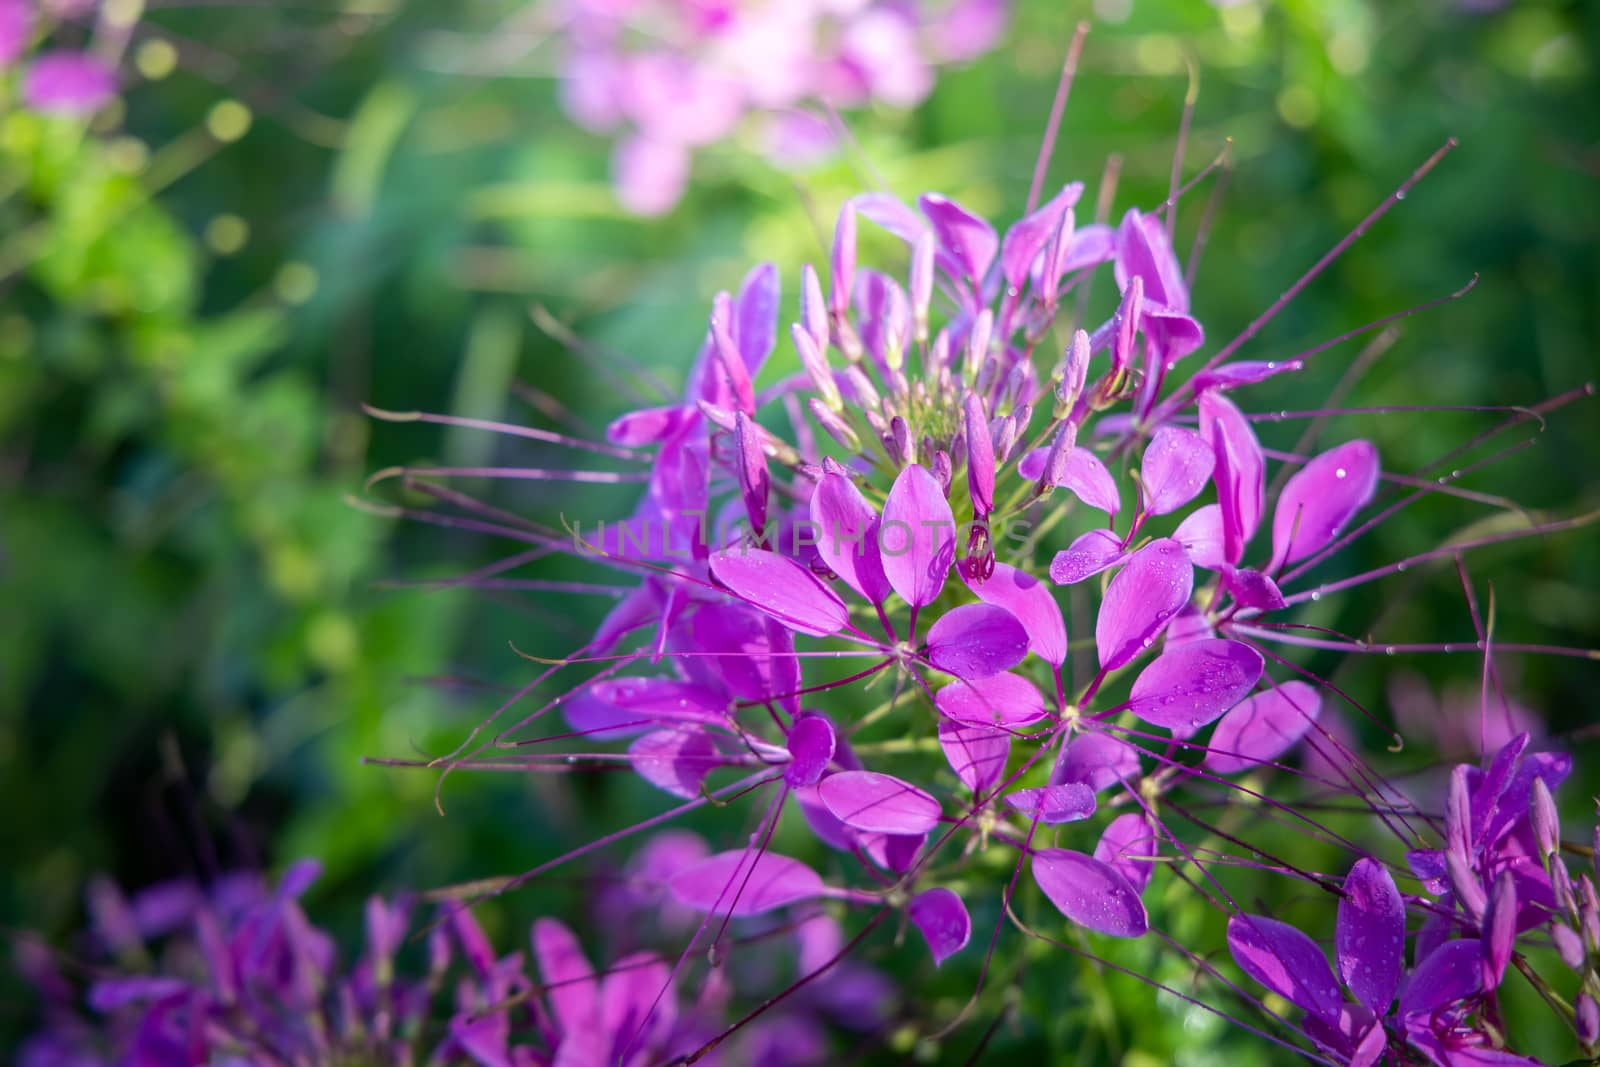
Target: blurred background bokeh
x=298, y=209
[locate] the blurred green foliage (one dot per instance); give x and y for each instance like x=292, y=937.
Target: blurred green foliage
x=196, y=642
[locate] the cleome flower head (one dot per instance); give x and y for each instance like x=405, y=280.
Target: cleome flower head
x=850, y=587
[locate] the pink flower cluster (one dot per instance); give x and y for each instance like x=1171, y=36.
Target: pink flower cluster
x=670, y=76
x=64, y=81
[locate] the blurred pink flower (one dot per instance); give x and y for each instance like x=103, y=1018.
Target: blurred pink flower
x=668, y=76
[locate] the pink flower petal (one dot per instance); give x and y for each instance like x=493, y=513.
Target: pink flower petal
x=1001, y=699
x=1054, y=803
x=782, y=588
x=846, y=529
x=1240, y=471
x=977, y=754
x=743, y=882
x=866, y=800
x=1140, y=601
x=1090, y=893
x=1030, y=601
x=1177, y=464
x=976, y=641
x=1370, y=936
x=942, y=917
x=1287, y=962
x=1321, y=499
x=1189, y=686
x=1263, y=727
x=918, y=537
x=1128, y=845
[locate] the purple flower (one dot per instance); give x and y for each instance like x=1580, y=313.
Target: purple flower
x=671, y=76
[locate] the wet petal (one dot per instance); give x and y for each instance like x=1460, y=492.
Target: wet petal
x=846, y=530
x=1200, y=534
x=1090, y=482
x=1450, y=973
x=1189, y=686
x=918, y=537
x=782, y=588
x=1090, y=893
x=1054, y=803
x=968, y=240
x=1252, y=589
x=977, y=754
x=1098, y=760
x=1240, y=471
x=1004, y=699
x=1086, y=557
x=1321, y=499
x=1129, y=845
x=638, y=987
x=811, y=743
x=675, y=760
x=1176, y=465
x=1030, y=601
x=1286, y=961
x=761, y=882
x=1140, y=601
x=1370, y=937
x=1263, y=727
x=866, y=800
x=976, y=641
x=943, y=920
x=1499, y=930
x=661, y=699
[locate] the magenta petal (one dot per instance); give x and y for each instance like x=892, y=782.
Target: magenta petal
x=761, y=882
x=68, y=83
x=1090, y=482
x=866, y=800
x=646, y=426
x=1321, y=499
x=1189, y=686
x=1241, y=372
x=1086, y=557
x=755, y=483
x=650, y=174
x=976, y=641
x=662, y=699
x=980, y=457
x=1054, y=803
x=1287, y=962
x=1129, y=845
x=1098, y=760
x=782, y=588
x=639, y=987
x=811, y=743
x=566, y=974
x=16, y=26
x=744, y=652
x=1004, y=699
x=846, y=529
x=892, y=852
x=1450, y=973
x=1143, y=252
x=1030, y=601
x=1201, y=536
x=675, y=760
x=943, y=920
x=1240, y=471
x=968, y=240
x=892, y=214
x=1090, y=893
x=1370, y=937
x=1027, y=238
x=1140, y=600
x=1176, y=466
x=1263, y=727
x=977, y=754
x=756, y=320
x=917, y=536
x=1252, y=589
x=1499, y=929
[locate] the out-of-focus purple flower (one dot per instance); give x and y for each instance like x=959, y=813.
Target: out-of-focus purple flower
x=670, y=76
x=68, y=83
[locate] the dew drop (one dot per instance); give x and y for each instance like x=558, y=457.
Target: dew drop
x=1389, y=650
x=1399, y=194
x=1400, y=568
x=1339, y=473
x=1316, y=594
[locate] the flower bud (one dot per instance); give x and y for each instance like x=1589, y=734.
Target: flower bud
x=921, y=284
x=835, y=426
x=938, y=358
x=1055, y=463
x=942, y=470
x=816, y=367
x=813, y=309
x=900, y=430
x=896, y=327
x=866, y=394
x=978, y=343
x=1128, y=316
x=1546, y=822
x=844, y=261
x=1569, y=945
x=1464, y=883
x=1075, y=374
x=1587, y=1019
